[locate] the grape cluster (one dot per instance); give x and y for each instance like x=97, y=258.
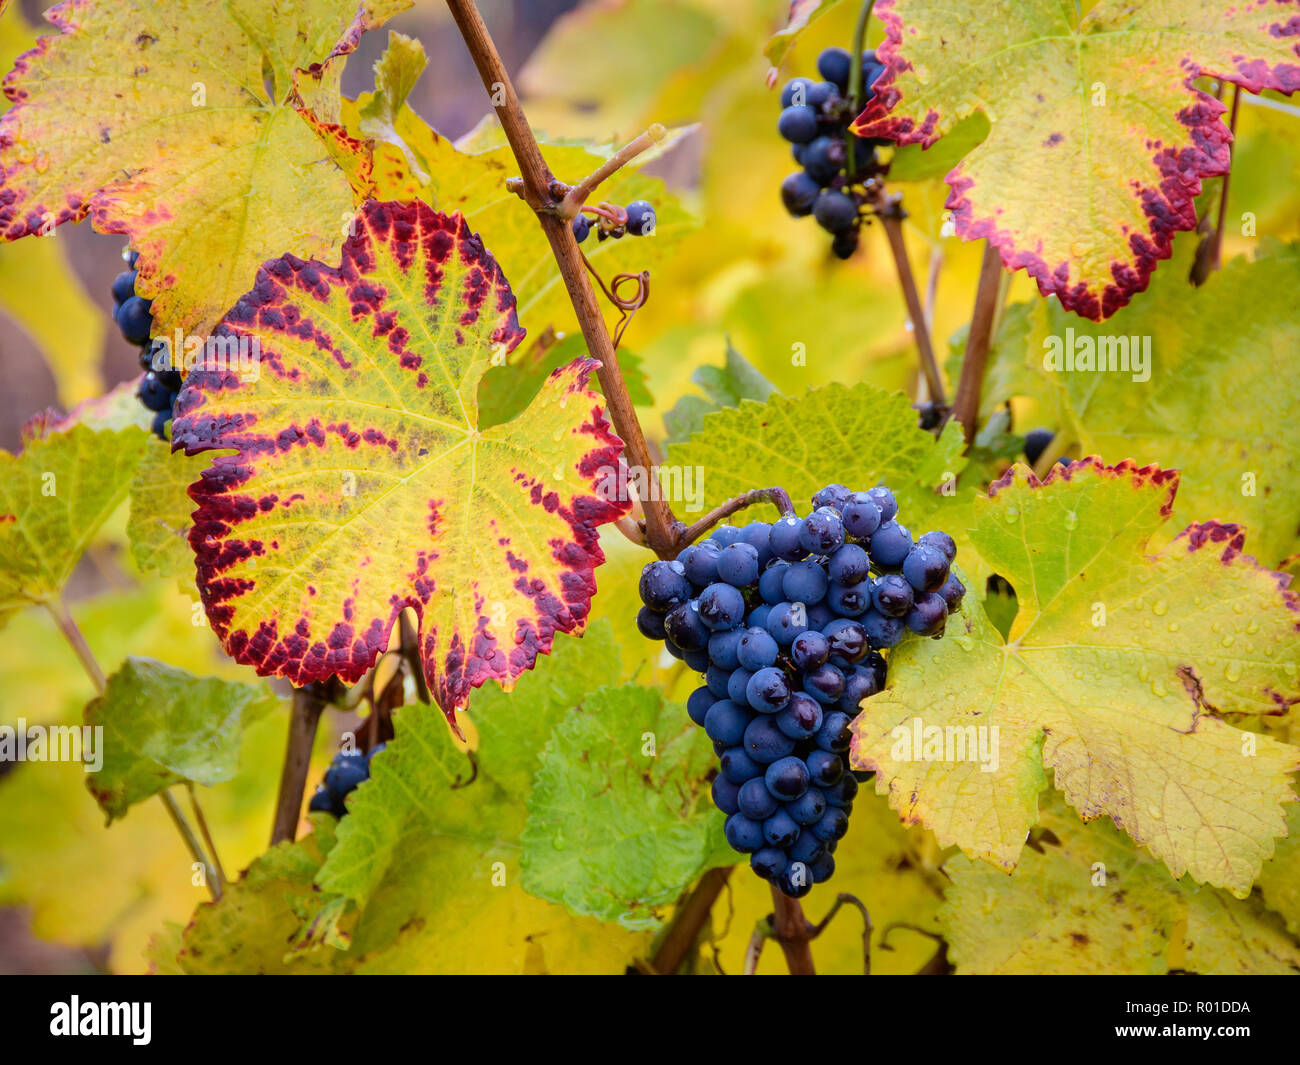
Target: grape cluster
x=815, y=118
x=134, y=317
x=637, y=218
x=787, y=622
x=348, y=769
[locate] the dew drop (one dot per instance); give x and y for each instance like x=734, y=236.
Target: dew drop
x=1160, y=608
x=1011, y=513
x=1158, y=689
x=1233, y=672
x=1174, y=626
x=1228, y=640
x=1071, y=520
x=558, y=841
x=1252, y=626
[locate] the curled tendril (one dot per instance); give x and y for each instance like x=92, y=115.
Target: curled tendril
x=627, y=305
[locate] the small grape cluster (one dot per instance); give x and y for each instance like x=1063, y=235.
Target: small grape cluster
x=346, y=771
x=787, y=622
x=637, y=218
x=134, y=317
x=815, y=118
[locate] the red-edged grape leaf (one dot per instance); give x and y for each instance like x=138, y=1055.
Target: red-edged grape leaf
x=362, y=484
x=1117, y=674
x=179, y=125
x=1099, y=139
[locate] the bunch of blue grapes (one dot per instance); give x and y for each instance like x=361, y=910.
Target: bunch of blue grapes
x=134, y=317
x=787, y=621
x=346, y=771
x=637, y=219
x=815, y=118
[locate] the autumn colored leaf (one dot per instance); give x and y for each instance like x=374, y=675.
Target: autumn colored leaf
x=802, y=12
x=1119, y=670
x=362, y=483
x=1099, y=139
x=1085, y=901
x=164, y=726
x=54, y=496
x=179, y=126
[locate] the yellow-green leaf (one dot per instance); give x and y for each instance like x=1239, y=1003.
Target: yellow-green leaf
x=1099, y=139
x=362, y=482
x=1120, y=667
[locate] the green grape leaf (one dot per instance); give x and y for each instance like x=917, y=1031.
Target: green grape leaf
x=799, y=444
x=1279, y=879
x=1092, y=164
x=508, y=388
x=262, y=924
x=159, y=523
x=725, y=386
x=802, y=13
x=430, y=848
x=1084, y=900
x=362, y=482
x=614, y=831
x=164, y=726
x=54, y=496
x=1219, y=359
x=1120, y=666
x=180, y=126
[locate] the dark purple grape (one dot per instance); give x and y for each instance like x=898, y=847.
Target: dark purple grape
x=796, y=91
x=698, y=704
x=890, y=545
x=940, y=540
x=768, y=862
x=849, y=564
x=834, y=65
x=841, y=795
x=725, y=794
x=786, y=621
x=882, y=631
x=928, y=616
x=700, y=563
x=809, y=650
x=784, y=539
x=952, y=592
x=756, y=534
x=725, y=535
x=809, y=808
x=807, y=848
x=832, y=825
x=804, y=582
x=723, y=647
x=823, y=159
x=858, y=685
x=768, y=691
x=721, y=607
x=834, y=735
x=757, y=650
x=885, y=500
x=798, y=124
x=833, y=496
x=737, y=685
x=849, y=601
x=861, y=516
x=641, y=218
x=756, y=802
x=848, y=641
x=799, y=190
x=787, y=778
x=801, y=718
x=926, y=568
x=780, y=830
x=743, y=834
x=685, y=628
x=835, y=211
x=824, y=768
x=664, y=585
x=765, y=742
x=771, y=584
x=891, y=595
x=581, y=226
x=738, y=564
x=738, y=767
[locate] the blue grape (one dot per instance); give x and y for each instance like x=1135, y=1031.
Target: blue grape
x=765, y=742
x=809, y=650
x=738, y=564
x=323, y=802
x=726, y=794
x=721, y=607
x=848, y=641
x=835, y=211
x=780, y=830
x=135, y=320
x=892, y=595
x=841, y=794
x=822, y=869
x=640, y=218
x=798, y=190
x=858, y=685
x=941, y=541
x=834, y=735
x=821, y=532
x=768, y=690
x=809, y=808
x=758, y=616
x=823, y=158
x=154, y=395
x=581, y=226
x=700, y=563
x=755, y=801
x=819, y=616
x=801, y=718
x=771, y=583
x=124, y=285
x=715, y=679
x=757, y=650
x=784, y=539
x=882, y=631
x=738, y=767
x=787, y=778
x=832, y=825
x=723, y=647
x=885, y=500
x=725, y=722
x=833, y=496
x=825, y=684
x=650, y=624
x=796, y=91
x=861, y=516
x=952, y=592
x=804, y=582
x=686, y=628
x=824, y=768
x=725, y=535
x=928, y=616
x=850, y=564
x=743, y=834
x=348, y=769
x=757, y=534
x=795, y=880
x=926, y=568
x=698, y=703
x=786, y=621
x=890, y=544
x=798, y=124
x=851, y=600
x=807, y=848
x=663, y=585
x=768, y=862
x=1036, y=440
x=834, y=65
x=737, y=686
x=697, y=660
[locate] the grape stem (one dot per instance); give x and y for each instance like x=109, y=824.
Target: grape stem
x=304, y=716
x=966, y=404
x=70, y=631
x=577, y=194
x=548, y=197
x=855, y=70
x=791, y=929
x=1216, y=261
x=778, y=497
x=891, y=215
x=684, y=931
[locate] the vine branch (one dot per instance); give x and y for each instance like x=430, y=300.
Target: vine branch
x=891, y=216
x=791, y=929
x=778, y=497
x=577, y=194
x=303, y=719
x=966, y=404
x=546, y=197
x=688, y=920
